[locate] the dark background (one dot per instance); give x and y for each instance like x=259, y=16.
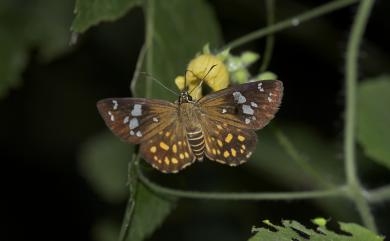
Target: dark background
x=45, y=121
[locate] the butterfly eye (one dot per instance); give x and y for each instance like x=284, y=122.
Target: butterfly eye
x=189, y=97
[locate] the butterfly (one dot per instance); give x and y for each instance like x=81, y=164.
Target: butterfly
x=220, y=125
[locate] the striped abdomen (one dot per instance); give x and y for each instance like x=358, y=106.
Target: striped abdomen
x=196, y=142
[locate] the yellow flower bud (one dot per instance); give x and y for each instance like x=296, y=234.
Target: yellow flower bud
x=217, y=78
x=201, y=67
x=179, y=81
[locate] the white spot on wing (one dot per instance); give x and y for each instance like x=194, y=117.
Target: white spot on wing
x=132, y=133
x=247, y=121
x=133, y=123
x=239, y=98
x=269, y=99
x=115, y=104
x=125, y=120
x=155, y=119
x=253, y=104
x=137, y=110
x=112, y=118
x=139, y=134
x=260, y=87
x=247, y=110
x=224, y=111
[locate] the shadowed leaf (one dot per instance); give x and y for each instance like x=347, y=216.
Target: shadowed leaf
x=292, y=230
x=315, y=164
x=104, y=161
x=25, y=25
x=92, y=12
x=374, y=118
x=175, y=32
x=105, y=230
x=149, y=213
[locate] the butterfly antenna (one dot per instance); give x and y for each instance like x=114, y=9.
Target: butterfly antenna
x=159, y=82
x=185, y=78
x=200, y=84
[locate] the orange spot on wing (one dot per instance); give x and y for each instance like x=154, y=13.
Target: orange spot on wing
x=233, y=151
x=220, y=143
x=241, y=138
x=164, y=146
x=229, y=138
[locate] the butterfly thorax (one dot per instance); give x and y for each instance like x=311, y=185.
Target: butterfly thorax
x=189, y=115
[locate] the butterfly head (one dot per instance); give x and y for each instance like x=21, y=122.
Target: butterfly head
x=185, y=97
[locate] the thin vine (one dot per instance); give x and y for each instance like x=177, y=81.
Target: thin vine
x=355, y=39
x=270, y=40
x=291, y=22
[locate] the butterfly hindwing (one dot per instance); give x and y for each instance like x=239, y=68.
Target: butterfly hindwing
x=168, y=151
x=228, y=119
x=251, y=105
x=136, y=119
x=227, y=144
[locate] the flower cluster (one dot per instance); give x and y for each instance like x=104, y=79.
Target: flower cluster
x=219, y=71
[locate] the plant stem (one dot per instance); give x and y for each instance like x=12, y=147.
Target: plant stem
x=355, y=38
x=137, y=71
x=338, y=191
x=269, y=44
x=291, y=22
x=380, y=194
x=127, y=218
x=149, y=44
x=132, y=182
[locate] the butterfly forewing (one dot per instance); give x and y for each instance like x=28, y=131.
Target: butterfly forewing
x=168, y=151
x=227, y=119
x=227, y=144
x=136, y=119
x=251, y=105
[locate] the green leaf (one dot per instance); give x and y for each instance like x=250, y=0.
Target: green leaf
x=103, y=162
x=13, y=58
x=149, y=213
x=92, y=12
x=105, y=230
x=175, y=32
x=292, y=230
x=40, y=24
x=374, y=118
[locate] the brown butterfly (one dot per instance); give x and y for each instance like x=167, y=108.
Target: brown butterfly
x=173, y=135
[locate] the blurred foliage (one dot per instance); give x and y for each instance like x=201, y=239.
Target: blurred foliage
x=92, y=12
x=38, y=24
x=302, y=157
x=292, y=230
x=167, y=27
x=105, y=230
x=103, y=161
x=298, y=157
x=374, y=118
